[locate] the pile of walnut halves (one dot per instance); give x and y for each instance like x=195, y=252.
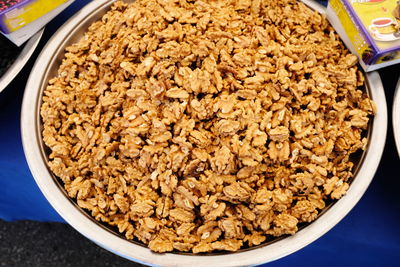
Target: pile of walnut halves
x=206, y=125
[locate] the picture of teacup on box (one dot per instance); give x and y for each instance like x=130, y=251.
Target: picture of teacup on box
x=384, y=29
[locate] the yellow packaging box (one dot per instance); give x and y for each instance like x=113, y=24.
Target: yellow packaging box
x=369, y=28
x=20, y=19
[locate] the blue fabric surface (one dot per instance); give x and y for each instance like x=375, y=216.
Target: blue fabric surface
x=20, y=198
x=369, y=235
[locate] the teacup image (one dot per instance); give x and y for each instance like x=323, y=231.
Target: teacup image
x=381, y=26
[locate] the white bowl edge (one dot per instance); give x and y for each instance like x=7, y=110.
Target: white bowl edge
x=21, y=60
x=396, y=117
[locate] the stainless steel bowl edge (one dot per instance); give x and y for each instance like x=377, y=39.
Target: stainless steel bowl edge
x=21, y=60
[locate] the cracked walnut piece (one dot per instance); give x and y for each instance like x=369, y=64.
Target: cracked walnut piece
x=206, y=125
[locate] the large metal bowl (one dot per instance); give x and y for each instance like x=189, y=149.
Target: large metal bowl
x=46, y=67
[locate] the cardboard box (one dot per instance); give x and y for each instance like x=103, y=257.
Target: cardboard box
x=21, y=19
x=369, y=28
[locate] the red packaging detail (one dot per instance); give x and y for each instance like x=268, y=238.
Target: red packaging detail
x=4, y=4
x=382, y=22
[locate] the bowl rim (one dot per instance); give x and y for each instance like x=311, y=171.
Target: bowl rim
x=396, y=116
x=21, y=60
x=95, y=232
